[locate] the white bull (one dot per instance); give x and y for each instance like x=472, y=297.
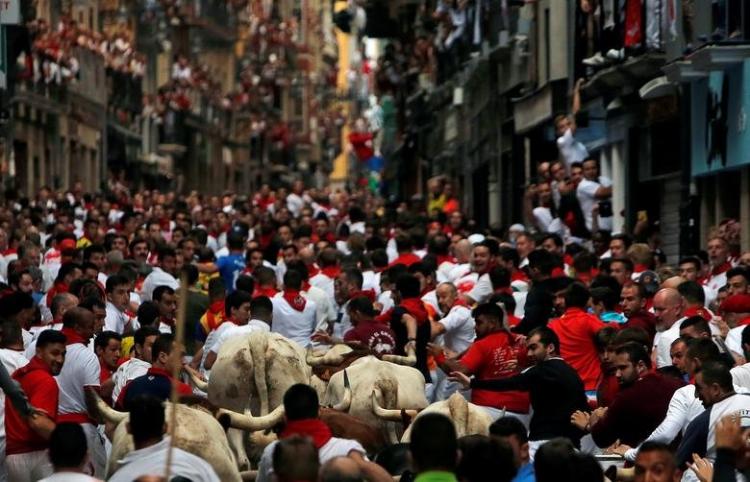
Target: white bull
x=394, y=387
x=196, y=431
x=251, y=374
x=469, y=419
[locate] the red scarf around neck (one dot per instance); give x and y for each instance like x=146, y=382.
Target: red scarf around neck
x=267, y=291
x=215, y=314
x=332, y=272
x=72, y=336
x=295, y=299
x=445, y=258
x=369, y=294
x=314, y=428
x=415, y=307
x=722, y=268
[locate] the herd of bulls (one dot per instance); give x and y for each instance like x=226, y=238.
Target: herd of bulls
x=370, y=400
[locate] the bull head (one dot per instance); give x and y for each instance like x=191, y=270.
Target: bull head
x=248, y=422
x=409, y=360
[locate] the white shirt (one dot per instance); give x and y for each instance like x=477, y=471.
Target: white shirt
x=371, y=281
x=213, y=337
x=482, y=289
x=459, y=329
x=663, y=342
x=325, y=310
x=324, y=283
x=290, y=323
x=27, y=337
x=157, y=277
x=386, y=300
x=130, y=370
x=81, y=369
x=465, y=284
x=336, y=447
x=431, y=299
x=152, y=460
x=571, y=150
x=444, y=271
x=734, y=340
x=543, y=217
x=459, y=271
x=12, y=360
x=69, y=477
x=30, y=350
x=239, y=331
x=683, y=408
x=115, y=319
x=586, y=194
x=717, y=282
x=741, y=375
x=294, y=203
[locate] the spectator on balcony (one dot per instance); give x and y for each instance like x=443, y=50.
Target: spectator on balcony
x=571, y=150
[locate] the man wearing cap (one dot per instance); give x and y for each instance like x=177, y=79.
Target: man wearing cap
x=736, y=312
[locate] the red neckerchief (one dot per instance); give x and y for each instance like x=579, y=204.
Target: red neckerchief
x=722, y=268
x=305, y=286
x=698, y=311
x=314, y=428
x=72, y=337
x=568, y=259
x=267, y=291
x=459, y=302
x=295, y=300
x=445, y=258
x=415, y=307
x=105, y=372
x=57, y=288
x=744, y=322
x=167, y=321
x=518, y=275
x=213, y=314
x=35, y=363
x=312, y=270
x=557, y=272
x=640, y=268
x=332, y=272
x=369, y=294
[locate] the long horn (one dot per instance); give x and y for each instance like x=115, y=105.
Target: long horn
x=346, y=402
x=201, y=385
x=409, y=360
x=394, y=415
x=328, y=358
x=252, y=424
x=105, y=411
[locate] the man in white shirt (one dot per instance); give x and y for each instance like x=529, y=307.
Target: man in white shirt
x=592, y=189
x=301, y=408
x=293, y=315
x=139, y=362
x=482, y=260
x=12, y=358
x=348, y=285
x=455, y=331
x=161, y=275
x=80, y=373
x=326, y=313
x=60, y=304
x=328, y=260
x=669, y=309
x=261, y=312
x=118, y=299
x=237, y=306
x=718, y=255
x=68, y=453
x=147, y=425
x=570, y=149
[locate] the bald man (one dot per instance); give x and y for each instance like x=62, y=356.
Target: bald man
x=462, y=252
x=669, y=308
x=673, y=282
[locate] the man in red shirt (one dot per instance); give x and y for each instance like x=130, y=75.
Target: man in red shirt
x=107, y=348
x=365, y=330
x=576, y=330
x=496, y=353
x=27, y=437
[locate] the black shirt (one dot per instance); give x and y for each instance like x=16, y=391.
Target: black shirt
x=423, y=338
x=556, y=391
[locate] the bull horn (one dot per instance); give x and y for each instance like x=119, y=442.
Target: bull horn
x=409, y=360
x=108, y=413
x=328, y=358
x=394, y=415
x=346, y=402
x=248, y=422
x=198, y=383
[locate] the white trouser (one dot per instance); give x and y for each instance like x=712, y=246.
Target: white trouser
x=496, y=413
x=97, y=462
x=28, y=467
